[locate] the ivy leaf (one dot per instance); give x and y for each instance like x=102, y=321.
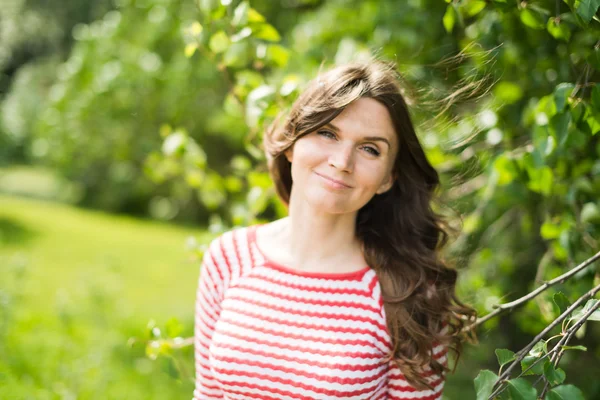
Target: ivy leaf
x=504, y=356
x=484, y=384
x=521, y=389
x=587, y=9
x=565, y=392
x=554, y=376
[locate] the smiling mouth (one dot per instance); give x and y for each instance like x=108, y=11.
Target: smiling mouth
x=334, y=183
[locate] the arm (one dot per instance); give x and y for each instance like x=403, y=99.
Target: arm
x=207, y=311
x=400, y=389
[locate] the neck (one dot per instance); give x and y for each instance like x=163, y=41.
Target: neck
x=315, y=237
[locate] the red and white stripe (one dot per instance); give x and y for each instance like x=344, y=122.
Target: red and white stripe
x=265, y=331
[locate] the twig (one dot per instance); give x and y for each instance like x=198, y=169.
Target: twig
x=560, y=279
x=521, y=354
x=566, y=338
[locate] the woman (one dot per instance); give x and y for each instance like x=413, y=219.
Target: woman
x=347, y=297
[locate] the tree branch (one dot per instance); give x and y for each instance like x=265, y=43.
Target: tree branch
x=513, y=304
x=523, y=352
x=566, y=338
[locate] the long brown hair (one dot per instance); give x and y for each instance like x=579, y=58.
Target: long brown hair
x=401, y=234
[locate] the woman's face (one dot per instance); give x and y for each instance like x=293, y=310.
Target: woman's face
x=341, y=166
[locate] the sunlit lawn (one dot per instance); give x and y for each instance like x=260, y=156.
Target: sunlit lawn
x=75, y=285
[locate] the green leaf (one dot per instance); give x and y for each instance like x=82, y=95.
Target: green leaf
x=266, y=32
x=473, y=7
x=549, y=231
x=539, y=349
x=505, y=168
x=240, y=14
x=540, y=180
x=208, y=6
x=558, y=29
x=561, y=302
x=521, y=389
x=559, y=125
x=561, y=94
x=579, y=347
x=508, y=92
x=504, y=356
x=190, y=49
x=218, y=42
x=580, y=312
x=554, y=376
x=449, y=18
x=593, y=121
x=173, y=327
x=532, y=18
x=565, y=392
x=537, y=369
x=238, y=54
x=484, y=384
x=278, y=55
x=242, y=34
x=590, y=213
x=587, y=9
x=255, y=16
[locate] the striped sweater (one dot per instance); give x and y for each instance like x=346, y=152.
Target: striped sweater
x=267, y=331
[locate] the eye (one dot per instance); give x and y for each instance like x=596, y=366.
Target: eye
x=326, y=134
x=372, y=150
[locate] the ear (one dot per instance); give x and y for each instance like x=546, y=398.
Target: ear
x=289, y=154
x=387, y=184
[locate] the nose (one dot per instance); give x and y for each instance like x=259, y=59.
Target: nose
x=342, y=158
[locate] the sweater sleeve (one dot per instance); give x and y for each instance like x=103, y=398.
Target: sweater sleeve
x=400, y=389
x=211, y=287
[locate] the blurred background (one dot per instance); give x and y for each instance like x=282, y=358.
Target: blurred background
x=130, y=135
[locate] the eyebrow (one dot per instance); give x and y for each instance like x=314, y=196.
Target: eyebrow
x=369, y=138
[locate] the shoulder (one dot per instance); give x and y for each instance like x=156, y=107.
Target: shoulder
x=232, y=237
x=231, y=250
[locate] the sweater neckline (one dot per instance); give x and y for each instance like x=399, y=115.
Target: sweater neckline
x=308, y=274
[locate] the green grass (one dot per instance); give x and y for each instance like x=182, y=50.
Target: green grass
x=76, y=284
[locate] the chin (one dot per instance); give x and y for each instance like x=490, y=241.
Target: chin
x=327, y=203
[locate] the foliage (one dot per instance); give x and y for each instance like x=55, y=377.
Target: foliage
x=177, y=94
x=524, y=144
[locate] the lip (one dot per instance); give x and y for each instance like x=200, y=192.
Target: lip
x=335, y=182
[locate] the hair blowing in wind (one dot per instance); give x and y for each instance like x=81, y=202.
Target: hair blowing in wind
x=400, y=233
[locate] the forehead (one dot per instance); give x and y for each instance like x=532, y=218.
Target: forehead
x=366, y=117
